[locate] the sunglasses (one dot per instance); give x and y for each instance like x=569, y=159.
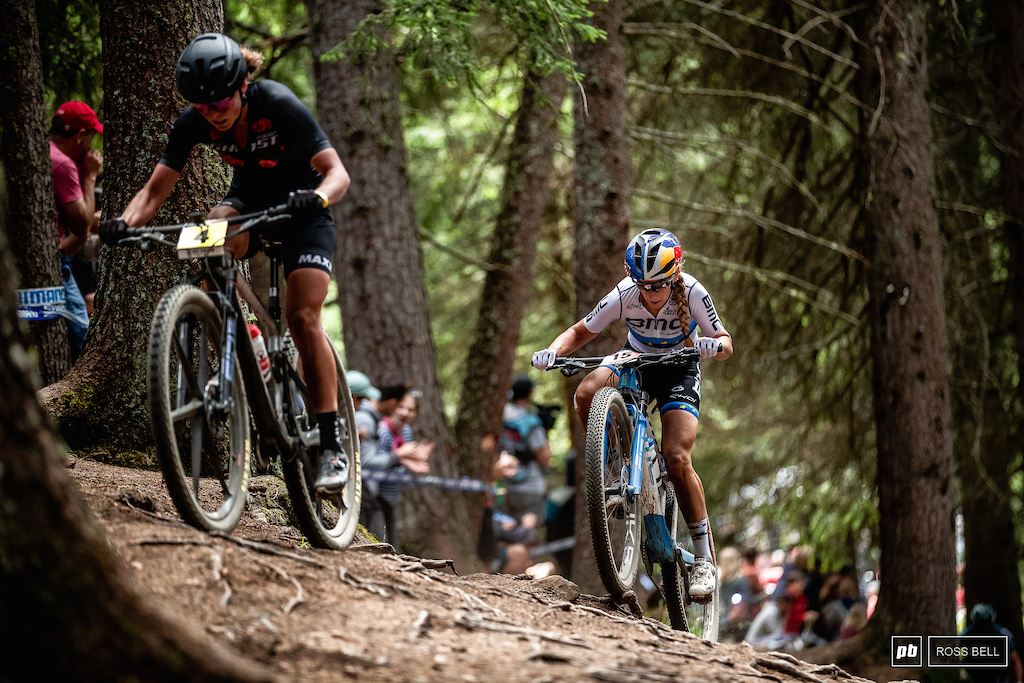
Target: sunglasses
x=219, y=106
x=653, y=286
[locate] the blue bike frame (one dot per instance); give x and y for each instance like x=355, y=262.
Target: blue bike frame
x=636, y=404
x=661, y=547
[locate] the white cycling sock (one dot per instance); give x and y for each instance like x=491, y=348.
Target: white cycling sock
x=701, y=538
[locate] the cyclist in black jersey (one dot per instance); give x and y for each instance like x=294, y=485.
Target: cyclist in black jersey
x=280, y=155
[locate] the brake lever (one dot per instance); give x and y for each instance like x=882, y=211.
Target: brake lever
x=571, y=366
x=147, y=242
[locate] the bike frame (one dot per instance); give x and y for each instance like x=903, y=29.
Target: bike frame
x=636, y=400
x=275, y=417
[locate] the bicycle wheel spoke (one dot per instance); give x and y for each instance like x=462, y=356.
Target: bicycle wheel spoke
x=614, y=521
x=194, y=452
x=211, y=455
x=614, y=504
x=185, y=372
x=329, y=520
x=190, y=410
x=197, y=452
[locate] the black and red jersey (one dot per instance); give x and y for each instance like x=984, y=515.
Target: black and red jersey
x=281, y=139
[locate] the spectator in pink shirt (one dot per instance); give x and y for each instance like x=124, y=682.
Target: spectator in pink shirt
x=75, y=167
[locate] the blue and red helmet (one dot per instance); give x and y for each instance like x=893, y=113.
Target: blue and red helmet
x=653, y=256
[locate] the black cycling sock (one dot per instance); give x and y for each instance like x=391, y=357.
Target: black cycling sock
x=330, y=431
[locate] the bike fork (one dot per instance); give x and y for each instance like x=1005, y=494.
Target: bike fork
x=223, y=400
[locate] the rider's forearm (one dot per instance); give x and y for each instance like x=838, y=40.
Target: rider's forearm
x=148, y=201
x=141, y=209
x=335, y=177
x=725, y=339
x=572, y=339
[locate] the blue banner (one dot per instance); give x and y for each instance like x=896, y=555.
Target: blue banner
x=41, y=303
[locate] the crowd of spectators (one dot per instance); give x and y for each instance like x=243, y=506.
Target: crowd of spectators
x=776, y=601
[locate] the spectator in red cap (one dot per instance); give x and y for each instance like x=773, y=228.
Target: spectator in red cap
x=75, y=166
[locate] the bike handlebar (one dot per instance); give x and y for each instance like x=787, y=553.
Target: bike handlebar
x=145, y=234
x=570, y=365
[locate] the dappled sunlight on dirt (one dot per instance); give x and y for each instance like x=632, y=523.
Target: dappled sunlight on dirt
x=371, y=615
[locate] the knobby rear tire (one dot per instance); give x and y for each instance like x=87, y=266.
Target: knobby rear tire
x=614, y=520
x=695, y=617
x=328, y=521
x=673, y=583
x=184, y=342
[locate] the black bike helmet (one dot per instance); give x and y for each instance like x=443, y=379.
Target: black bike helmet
x=211, y=68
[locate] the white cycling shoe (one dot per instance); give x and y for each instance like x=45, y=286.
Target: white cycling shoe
x=333, y=472
x=702, y=581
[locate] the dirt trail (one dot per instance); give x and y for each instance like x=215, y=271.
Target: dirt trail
x=315, y=615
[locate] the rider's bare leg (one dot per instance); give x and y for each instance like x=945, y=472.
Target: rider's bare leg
x=307, y=289
x=600, y=377
x=678, y=433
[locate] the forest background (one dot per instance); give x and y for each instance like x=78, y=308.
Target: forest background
x=746, y=129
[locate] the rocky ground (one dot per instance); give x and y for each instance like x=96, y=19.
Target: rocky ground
x=370, y=615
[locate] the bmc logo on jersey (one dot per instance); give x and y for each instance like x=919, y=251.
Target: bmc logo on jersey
x=654, y=324
x=597, y=309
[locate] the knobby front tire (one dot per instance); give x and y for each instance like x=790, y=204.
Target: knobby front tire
x=205, y=460
x=327, y=520
x=614, y=519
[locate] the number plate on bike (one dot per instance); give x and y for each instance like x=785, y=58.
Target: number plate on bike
x=619, y=357
x=199, y=241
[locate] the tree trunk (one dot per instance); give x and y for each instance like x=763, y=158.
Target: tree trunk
x=379, y=265
x=911, y=383
x=26, y=162
x=601, y=187
x=66, y=604
x=491, y=358
x=103, y=400
x=991, y=573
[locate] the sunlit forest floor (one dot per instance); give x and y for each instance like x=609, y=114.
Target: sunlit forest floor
x=362, y=614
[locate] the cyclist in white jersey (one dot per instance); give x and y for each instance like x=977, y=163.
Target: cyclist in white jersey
x=664, y=309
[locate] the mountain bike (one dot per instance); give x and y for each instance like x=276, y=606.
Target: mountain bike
x=633, y=510
x=204, y=377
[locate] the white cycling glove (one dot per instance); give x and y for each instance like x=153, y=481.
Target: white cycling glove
x=707, y=347
x=543, y=360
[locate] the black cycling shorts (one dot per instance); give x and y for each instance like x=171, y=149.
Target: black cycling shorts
x=673, y=387
x=307, y=242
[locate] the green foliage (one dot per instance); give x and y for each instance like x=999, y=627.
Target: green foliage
x=743, y=129
x=448, y=39
x=277, y=30
x=70, y=47
x=743, y=126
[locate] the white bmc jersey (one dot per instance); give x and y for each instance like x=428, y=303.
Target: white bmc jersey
x=662, y=332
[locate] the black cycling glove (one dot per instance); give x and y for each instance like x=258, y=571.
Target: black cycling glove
x=306, y=201
x=112, y=231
